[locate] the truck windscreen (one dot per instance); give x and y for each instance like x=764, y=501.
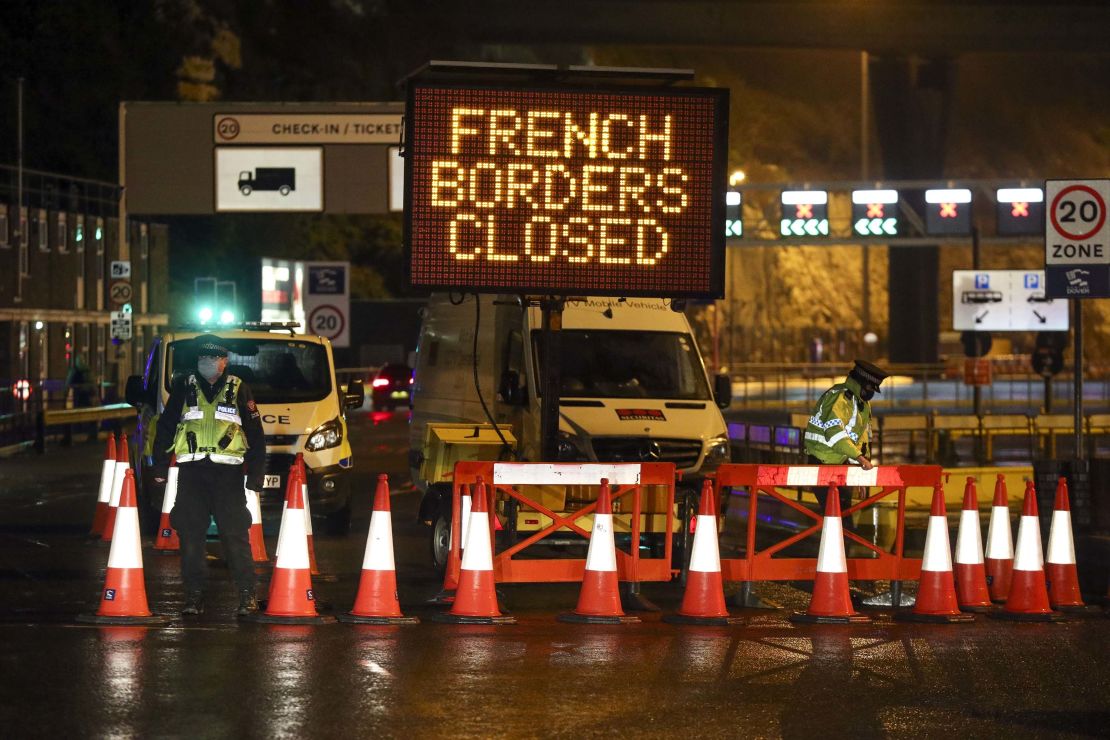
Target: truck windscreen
x=628, y=364
x=277, y=370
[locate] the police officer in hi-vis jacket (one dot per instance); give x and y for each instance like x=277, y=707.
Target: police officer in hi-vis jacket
x=212, y=425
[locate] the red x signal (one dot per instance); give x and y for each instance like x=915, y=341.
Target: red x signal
x=875, y=210
x=948, y=210
x=804, y=210
x=1019, y=209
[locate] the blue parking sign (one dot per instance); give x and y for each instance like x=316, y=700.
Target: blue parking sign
x=1032, y=280
x=982, y=281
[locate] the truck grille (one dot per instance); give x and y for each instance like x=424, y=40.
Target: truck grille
x=683, y=453
x=281, y=440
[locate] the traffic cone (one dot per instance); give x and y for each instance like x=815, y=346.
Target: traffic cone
x=104, y=495
x=1060, y=572
x=831, y=602
x=123, y=464
x=376, y=601
x=971, y=573
x=936, y=590
x=599, y=601
x=703, y=602
x=123, y=600
x=1028, y=597
x=167, y=540
x=292, y=600
x=476, y=597
x=302, y=473
x=1000, y=545
x=258, y=542
x=446, y=594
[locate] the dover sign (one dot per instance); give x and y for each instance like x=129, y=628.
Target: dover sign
x=566, y=191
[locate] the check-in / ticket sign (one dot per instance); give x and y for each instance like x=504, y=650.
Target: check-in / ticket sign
x=566, y=191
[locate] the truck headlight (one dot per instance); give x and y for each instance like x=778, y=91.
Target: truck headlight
x=325, y=436
x=718, y=450
x=567, y=449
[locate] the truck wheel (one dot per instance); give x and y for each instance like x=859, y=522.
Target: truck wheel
x=245, y=189
x=441, y=542
x=284, y=190
x=338, y=523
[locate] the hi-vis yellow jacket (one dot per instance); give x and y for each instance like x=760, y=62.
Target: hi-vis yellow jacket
x=840, y=425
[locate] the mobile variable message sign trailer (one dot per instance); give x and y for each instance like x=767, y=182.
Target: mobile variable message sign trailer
x=535, y=188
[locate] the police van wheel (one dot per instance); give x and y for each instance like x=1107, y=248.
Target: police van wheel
x=441, y=541
x=338, y=523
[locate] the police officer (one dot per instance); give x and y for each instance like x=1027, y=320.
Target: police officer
x=213, y=426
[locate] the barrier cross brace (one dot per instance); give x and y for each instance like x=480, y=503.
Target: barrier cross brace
x=761, y=481
x=627, y=480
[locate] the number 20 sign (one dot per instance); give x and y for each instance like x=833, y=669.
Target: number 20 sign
x=1076, y=228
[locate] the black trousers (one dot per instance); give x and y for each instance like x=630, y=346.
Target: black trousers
x=822, y=494
x=205, y=489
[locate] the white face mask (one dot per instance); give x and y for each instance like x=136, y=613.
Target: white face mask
x=209, y=368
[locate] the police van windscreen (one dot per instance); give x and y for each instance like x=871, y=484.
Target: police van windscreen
x=628, y=364
x=276, y=370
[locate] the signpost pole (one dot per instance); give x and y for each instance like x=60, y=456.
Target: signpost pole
x=551, y=341
x=1077, y=327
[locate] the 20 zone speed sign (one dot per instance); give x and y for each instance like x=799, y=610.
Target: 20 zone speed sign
x=1076, y=228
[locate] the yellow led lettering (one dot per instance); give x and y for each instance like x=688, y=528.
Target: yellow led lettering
x=606, y=239
x=608, y=135
x=590, y=185
x=533, y=131
x=552, y=239
x=490, y=189
x=554, y=177
x=643, y=229
x=672, y=206
x=454, y=246
x=572, y=134
x=518, y=185
x=580, y=238
x=647, y=137
x=439, y=184
x=634, y=181
x=501, y=135
x=458, y=130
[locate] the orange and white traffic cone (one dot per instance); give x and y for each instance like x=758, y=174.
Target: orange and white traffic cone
x=446, y=594
x=703, y=602
x=599, y=601
x=376, y=601
x=123, y=600
x=257, y=540
x=167, y=540
x=291, y=600
x=831, y=602
x=476, y=597
x=104, y=494
x=123, y=464
x=936, y=591
x=971, y=573
x=1000, y=545
x=302, y=473
x=1060, y=572
x=1028, y=597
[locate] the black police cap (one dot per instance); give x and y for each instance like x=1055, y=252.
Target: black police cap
x=209, y=345
x=868, y=374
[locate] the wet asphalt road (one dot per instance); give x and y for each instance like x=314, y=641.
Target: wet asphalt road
x=215, y=678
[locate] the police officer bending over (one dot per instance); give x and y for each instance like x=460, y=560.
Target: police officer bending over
x=212, y=424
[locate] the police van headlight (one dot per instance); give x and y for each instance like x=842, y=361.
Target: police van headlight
x=718, y=450
x=325, y=436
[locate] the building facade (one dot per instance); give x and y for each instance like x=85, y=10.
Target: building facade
x=57, y=289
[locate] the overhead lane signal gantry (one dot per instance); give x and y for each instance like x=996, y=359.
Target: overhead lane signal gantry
x=875, y=212
x=804, y=213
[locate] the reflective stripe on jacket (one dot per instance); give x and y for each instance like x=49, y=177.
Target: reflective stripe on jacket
x=840, y=425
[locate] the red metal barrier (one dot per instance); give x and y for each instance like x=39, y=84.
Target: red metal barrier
x=764, y=480
x=627, y=482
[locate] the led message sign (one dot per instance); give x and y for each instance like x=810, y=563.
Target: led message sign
x=1020, y=211
x=875, y=212
x=805, y=213
x=948, y=211
x=566, y=191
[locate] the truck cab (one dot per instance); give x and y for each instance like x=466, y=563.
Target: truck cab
x=303, y=409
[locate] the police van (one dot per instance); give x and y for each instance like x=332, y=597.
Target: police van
x=303, y=409
x=633, y=389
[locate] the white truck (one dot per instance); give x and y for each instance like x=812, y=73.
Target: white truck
x=634, y=388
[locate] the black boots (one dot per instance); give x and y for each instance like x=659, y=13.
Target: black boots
x=248, y=603
x=194, y=604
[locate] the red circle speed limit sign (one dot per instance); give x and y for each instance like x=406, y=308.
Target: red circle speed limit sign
x=326, y=321
x=1078, y=212
x=227, y=128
